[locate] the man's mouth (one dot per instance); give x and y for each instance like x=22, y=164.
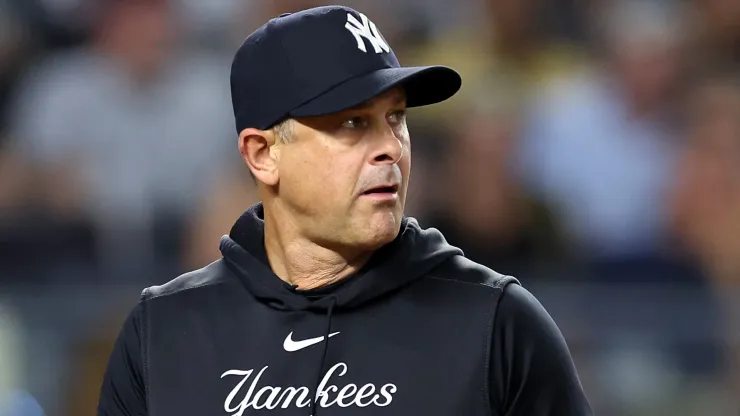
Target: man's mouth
x=385, y=189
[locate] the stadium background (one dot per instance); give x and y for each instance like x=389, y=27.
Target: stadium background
x=593, y=152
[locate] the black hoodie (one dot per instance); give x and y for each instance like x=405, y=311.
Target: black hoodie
x=420, y=330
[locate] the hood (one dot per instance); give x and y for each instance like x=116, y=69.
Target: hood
x=413, y=253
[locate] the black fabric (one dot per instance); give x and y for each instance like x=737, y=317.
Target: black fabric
x=531, y=354
x=327, y=339
x=432, y=334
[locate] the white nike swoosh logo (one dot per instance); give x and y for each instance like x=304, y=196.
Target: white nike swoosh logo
x=292, y=346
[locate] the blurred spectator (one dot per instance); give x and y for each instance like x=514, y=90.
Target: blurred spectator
x=90, y=355
x=509, y=44
x=10, y=356
x=429, y=145
x=706, y=200
x=30, y=29
x=233, y=193
x=111, y=136
x=504, y=56
x=15, y=43
x=600, y=147
x=14, y=400
x=482, y=209
x=21, y=403
x=718, y=30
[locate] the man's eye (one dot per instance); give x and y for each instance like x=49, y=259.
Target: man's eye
x=397, y=117
x=355, y=123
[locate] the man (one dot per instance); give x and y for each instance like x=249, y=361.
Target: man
x=327, y=299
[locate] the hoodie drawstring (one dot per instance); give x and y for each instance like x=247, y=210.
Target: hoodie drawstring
x=329, y=313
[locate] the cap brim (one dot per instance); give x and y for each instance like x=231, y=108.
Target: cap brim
x=423, y=85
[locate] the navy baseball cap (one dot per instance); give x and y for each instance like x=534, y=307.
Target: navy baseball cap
x=323, y=60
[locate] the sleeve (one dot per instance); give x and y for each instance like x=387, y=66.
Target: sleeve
x=531, y=368
x=123, y=391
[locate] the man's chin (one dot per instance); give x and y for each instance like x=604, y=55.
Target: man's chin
x=383, y=227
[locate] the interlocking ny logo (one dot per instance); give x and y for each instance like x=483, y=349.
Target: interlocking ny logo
x=366, y=30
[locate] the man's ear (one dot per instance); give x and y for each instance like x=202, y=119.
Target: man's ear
x=256, y=147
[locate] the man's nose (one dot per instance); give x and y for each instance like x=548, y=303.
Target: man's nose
x=389, y=148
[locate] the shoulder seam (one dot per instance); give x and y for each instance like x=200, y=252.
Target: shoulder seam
x=490, y=327
x=184, y=289
x=490, y=286
x=497, y=287
x=145, y=348
x=209, y=275
x=504, y=280
x=500, y=284
x=489, y=343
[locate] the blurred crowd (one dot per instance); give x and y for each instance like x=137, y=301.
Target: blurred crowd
x=593, y=152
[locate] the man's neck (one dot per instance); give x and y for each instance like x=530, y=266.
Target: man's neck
x=303, y=263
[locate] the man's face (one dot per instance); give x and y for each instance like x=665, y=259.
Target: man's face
x=325, y=173
x=145, y=31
